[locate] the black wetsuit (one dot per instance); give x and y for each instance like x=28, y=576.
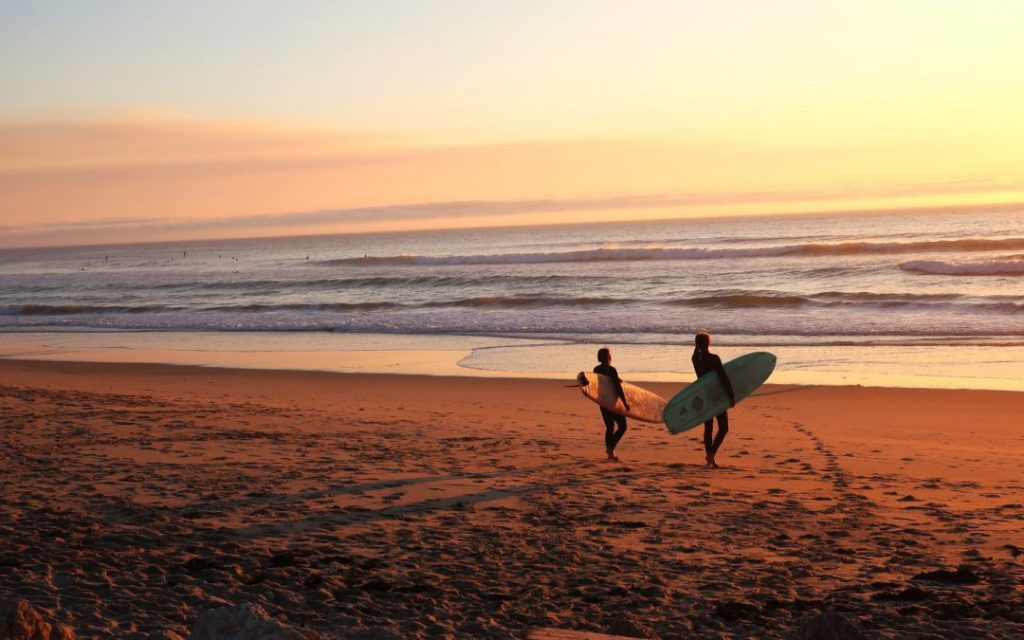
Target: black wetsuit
x=705, y=362
x=611, y=419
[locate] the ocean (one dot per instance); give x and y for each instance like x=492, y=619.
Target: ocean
x=936, y=294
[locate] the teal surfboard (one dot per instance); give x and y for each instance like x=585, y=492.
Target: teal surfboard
x=706, y=398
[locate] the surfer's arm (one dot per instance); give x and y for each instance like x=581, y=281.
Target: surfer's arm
x=726, y=382
x=618, y=388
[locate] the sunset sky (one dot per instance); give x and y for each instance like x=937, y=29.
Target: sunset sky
x=124, y=121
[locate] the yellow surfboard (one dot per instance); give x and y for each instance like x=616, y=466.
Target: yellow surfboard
x=643, y=405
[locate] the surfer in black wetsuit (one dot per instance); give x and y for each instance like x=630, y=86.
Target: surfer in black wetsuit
x=705, y=362
x=611, y=419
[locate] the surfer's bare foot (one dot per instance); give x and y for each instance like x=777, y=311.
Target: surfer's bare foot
x=712, y=463
x=611, y=457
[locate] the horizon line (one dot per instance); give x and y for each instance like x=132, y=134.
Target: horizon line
x=957, y=208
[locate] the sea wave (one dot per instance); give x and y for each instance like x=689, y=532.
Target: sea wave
x=481, y=302
x=74, y=309
x=861, y=299
x=513, y=302
x=1007, y=266
x=582, y=325
x=303, y=306
x=610, y=254
x=706, y=299
x=336, y=284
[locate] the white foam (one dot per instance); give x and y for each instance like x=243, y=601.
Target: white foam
x=614, y=253
x=1001, y=267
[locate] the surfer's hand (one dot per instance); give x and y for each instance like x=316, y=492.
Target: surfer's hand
x=626, y=404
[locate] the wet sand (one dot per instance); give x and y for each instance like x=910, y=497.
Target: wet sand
x=133, y=497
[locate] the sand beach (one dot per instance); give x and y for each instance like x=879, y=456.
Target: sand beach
x=137, y=497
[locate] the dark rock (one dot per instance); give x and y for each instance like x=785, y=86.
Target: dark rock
x=625, y=524
x=627, y=629
x=376, y=585
x=337, y=559
x=313, y=581
x=288, y=558
x=245, y=622
x=375, y=633
x=963, y=575
x=198, y=564
x=910, y=594
x=827, y=625
x=733, y=610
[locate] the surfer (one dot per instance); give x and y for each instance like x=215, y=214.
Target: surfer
x=611, y=419
x=704, y=362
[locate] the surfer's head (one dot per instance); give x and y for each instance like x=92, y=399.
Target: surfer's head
x=702, y=340
x=604, y=355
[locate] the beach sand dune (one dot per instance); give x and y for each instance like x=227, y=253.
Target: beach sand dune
x=135, y=497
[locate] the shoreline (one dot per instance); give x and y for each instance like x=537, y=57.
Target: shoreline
x=994, y=367
x=47, y=367
x=959, y=209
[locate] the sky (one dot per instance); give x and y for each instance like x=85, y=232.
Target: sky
x=125, y=120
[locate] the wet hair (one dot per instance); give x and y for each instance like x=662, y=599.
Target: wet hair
x=603, y=355
x=702, y=340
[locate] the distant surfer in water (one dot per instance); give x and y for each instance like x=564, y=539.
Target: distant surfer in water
x=611, y=419
x=705, y=362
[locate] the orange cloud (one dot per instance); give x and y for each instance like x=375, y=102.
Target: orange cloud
x=100, y=181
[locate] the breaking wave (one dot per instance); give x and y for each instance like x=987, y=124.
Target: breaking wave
x=693, y=253
x=1007, y=266
x=72, y=309
x=710, y=299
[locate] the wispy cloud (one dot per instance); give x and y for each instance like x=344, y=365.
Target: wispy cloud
x=85, y=225
x=96, y=145
x=130, y=180
x=351, y=219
